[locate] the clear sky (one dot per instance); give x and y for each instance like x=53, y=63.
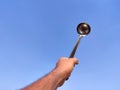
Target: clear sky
x=34, y=34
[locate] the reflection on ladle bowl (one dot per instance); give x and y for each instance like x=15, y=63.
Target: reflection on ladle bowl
x=83, y=29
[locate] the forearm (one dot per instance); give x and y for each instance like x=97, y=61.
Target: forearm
x=48, y=82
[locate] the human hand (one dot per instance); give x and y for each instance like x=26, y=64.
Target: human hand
x=65, y=66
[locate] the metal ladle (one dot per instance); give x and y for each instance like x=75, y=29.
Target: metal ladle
x=83, y=29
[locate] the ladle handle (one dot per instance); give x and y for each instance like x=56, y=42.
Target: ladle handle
x=75, y=47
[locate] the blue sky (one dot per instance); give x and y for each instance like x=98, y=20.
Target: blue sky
x=34, y=34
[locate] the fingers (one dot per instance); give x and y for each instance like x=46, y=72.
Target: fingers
x=74, y=60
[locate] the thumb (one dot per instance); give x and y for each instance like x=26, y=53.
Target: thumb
x=75, y=60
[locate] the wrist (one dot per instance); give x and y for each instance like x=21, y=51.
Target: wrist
x=58, y=76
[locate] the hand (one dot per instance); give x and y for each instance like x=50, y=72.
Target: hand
x=65, y=66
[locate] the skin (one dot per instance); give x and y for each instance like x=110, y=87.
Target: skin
x=56, y=77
